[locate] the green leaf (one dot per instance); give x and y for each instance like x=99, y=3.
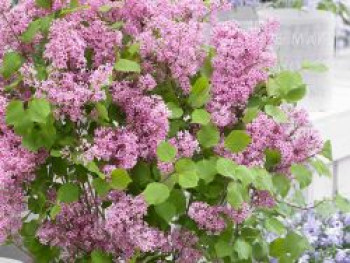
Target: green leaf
x=275, y=226
x=200, y=92
x=176, y=111
x=184, y=165
x=134, y=49
x=55, y=153
x=273, y=157
x=120, y=179
x=261, y=251
x=293, y=245
x=142, y=174
x=156, y=193
x=105, y=8
x=262, y=180
x=314, y=66
x=277, y=248
x=206, y=169
x=200, y=116
x=125, y=65
x=250, y=114
x=12, y=62
x=321, y=167
x=281, y=184
x=39, y=25
x=178, y=199
x=327, y=150
x=296, y=244
x=102, y=111
x=207, y=68
x=166, y=152
x=74, y=3
x=39, y=110
x=296, y=94
x=35, y=125
x=45, y=23
x=93, y=168
x=188, y=179
x=166, y=210
x=187, y=173
x=223, y=249
x=117, y=25
x=226, y=167
x=342, y=204
x=101, y=186
x=276, y=113
x=34, y=138
x=32, y=30
x=235, y=194
x=30, y=228
x=68, y=193
x=302, y=175
x=281, y=84
x=100, y=257
x=44, y=3
x=208, y=136
x=237, y=141
x=326, y=209
x=244, y=174
x=55, y=210
x=15, y=113
x=243, y=249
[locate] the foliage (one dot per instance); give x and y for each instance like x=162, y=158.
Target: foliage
x=125, y=135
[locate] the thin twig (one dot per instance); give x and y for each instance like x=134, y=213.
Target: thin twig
x=304, y=208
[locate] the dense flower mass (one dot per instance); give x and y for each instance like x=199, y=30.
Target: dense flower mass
x=144, y=131
x=239, y=65
x=114, y=146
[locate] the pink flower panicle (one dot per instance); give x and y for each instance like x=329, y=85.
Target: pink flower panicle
x=184, y=243
x=125, y=224
x=117, y=146
x=239, y=65
x=211, y=218
x=17, y=166
x=296, y=140
x=146, y=116
x=263, y=199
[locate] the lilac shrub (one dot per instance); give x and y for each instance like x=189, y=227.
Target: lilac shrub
x=128, y=135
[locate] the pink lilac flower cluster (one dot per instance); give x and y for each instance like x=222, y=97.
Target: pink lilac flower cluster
x=212, y=218
x=177, y=45
x=17, y=167
x=71, y=91
x=263, y=199
x=184, y=243
x=239, y=65
x=125, y=224
x=146, y=116
x=171, y=34
x=78, y=229
x=115, y=146
x=296, y=140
